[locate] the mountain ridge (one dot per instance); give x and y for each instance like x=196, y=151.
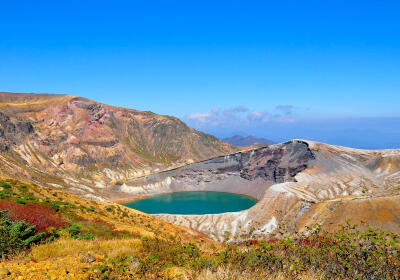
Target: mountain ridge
x=77, y=144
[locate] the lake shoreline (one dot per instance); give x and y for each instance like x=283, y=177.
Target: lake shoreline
x=190, y=202
x=144, y=196
x=131, y=198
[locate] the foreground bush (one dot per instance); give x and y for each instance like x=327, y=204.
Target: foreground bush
x=23, y=225
x=16, y=236
x=347, y=253
x=74, y=232
x=38, y=215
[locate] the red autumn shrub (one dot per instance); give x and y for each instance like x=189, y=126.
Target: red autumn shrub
x=273, y=240
x=253, y=242
x=35, y=214
x=316, y=241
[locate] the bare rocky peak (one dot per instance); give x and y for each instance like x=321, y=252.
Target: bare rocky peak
x=85, y=144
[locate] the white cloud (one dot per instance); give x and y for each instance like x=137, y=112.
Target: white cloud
x=240, y=116
x=255, y=116
x=201, y=117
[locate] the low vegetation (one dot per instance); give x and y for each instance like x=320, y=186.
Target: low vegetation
x=347, y=253
x=66, y=237
x=16, y=236
x=38, y=215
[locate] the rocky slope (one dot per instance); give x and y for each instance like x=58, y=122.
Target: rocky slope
x=298, y=183
x=87, y=147
x=250, y=173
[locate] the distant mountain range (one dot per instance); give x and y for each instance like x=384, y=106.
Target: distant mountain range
x=239, y=140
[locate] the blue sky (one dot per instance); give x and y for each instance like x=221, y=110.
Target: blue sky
x=323, y=70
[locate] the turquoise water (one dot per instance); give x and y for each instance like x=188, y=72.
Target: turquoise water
x=193, y=203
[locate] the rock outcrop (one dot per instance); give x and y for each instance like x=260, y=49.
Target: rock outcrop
x=13, y=132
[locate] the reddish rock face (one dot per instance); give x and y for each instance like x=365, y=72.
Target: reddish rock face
x=74, y=141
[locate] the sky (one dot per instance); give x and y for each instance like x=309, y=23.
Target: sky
x=322, y=70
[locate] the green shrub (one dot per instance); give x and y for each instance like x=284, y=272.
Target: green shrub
x=20, y=201
x=16, y=236
x=4, y=195
x=75, y=231
x=30, y=197
x=62, y=206
x=55, y=206
x=86, y=236
x=113, y=268
x=5, y=186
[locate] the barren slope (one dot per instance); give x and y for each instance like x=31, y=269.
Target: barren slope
x=87, y=147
